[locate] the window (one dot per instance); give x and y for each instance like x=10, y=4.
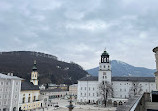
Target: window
x=16, y=83
x=81, y=88
x=89, y=94
x=104, y=66
x=125, y=90
x=29, y=98
x=103, y=77
x=93, y=89
x=34, y=98
x=121, y=96
x=120, y=89
x=85, y=94
x=15, y=96
x=93, y=94
x=23, y=100
x=6, y=83
x=1, y=83
x=5, y=102
x=89, y=88
x=85, y=88
x=103, y=82
x=5, y=96
x=81, y=94
x=104, y=73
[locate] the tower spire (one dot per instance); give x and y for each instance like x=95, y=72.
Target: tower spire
x=34, y=74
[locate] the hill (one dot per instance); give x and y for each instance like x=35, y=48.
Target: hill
x=123, y=69
x=50, y=69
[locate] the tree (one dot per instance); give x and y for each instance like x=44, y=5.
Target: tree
x=135, y=89
x=106, y=91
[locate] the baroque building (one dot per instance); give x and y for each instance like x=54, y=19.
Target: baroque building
x=30, y=92
x=123, y=87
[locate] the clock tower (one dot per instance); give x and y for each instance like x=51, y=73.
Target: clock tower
x=104, y=68
x=34, y=74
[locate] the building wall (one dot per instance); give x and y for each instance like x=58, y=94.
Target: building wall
x=52, y=95
x=73, y=89
x=87, y=91
x=9, y=93
x=104, y=73
x=29, y=104
x=121, y=90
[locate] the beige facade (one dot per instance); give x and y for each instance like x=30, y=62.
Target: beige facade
x=30, y=99
x=156, y=73
x=73, y=89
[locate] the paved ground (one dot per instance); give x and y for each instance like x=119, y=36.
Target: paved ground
x=63, y=103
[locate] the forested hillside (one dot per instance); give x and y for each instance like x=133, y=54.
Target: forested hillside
x=49, y=67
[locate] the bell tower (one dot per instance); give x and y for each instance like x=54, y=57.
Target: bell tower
x=34, y=74
x=104, y=68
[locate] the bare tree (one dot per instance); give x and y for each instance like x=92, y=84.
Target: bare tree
x=106, y=91
x=136, y=89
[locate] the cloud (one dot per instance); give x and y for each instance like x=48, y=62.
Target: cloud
x=80, y=30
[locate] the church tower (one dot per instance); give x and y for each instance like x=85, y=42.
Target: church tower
x=34, y=74
x=104, y=68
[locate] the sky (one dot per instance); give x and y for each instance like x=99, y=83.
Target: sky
x=80, y=30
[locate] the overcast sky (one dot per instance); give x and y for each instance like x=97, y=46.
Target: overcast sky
x=79, y=30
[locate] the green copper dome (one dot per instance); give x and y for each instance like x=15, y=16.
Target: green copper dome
x=34, y=66
x=105, y=53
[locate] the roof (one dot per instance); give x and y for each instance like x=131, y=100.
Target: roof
x=105, y=53
x=134, y=79
x=53, y=90
x=28, y=86
x=89, y=78
x=155, y=49
x=3, y=76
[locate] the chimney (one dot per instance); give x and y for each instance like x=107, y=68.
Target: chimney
x=8, y=74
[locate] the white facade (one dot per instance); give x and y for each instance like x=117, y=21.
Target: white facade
x=122, y=88
x=88, y=87
x=87, y=91
x=10, y=87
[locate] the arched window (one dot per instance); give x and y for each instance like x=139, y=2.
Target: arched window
x=29, y=98
x=34, y=98
x=23, y=100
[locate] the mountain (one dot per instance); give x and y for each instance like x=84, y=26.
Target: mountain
x=50, y=69
x=123, y=69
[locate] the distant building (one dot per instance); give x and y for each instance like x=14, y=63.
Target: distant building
x=73, y=89
x=88, y=87
x=10, y=87
x=42, y=87
x=61, y=86
x=54, y=93
x=30, y=92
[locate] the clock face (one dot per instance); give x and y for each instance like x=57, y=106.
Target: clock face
x=104, y=73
